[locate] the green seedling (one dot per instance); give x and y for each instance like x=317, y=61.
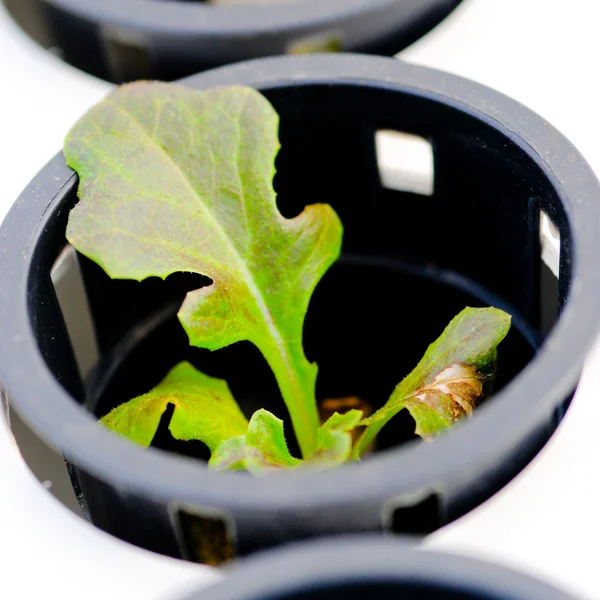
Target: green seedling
x=180, y=180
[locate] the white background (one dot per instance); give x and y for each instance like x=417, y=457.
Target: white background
x=544, y=53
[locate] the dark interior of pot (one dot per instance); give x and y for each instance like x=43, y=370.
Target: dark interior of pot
x=383, y=591
x=421, y=242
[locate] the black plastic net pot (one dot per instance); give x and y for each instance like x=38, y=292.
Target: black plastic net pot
x=357, y=567
x=123, y=40
x=411, y=261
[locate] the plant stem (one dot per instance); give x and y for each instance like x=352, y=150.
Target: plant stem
x=297, y=378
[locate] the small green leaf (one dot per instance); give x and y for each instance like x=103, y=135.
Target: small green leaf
x=174, y=179
x=266, y=448
x=334, y=440
x=448, y=380
x=343, y=422
x=261, y=451
x=204, y=410
x=229, y=455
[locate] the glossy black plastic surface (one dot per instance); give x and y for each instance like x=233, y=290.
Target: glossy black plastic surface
x=412, y=260
x=123, y=40
x=360, y=568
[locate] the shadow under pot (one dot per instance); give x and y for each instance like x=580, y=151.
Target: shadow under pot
x=355, y=568
x=124, y=40
x=499, y=194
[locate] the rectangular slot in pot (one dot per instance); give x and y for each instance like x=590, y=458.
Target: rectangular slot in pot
x=73, y=302
x=206, y=536
x=549, y=272
x=550, y=243
x=126, y=55
x=405, y=162
x=418, y=515
x=323, y=41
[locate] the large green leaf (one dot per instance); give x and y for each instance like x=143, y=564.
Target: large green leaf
x=448, y=380
x=204, y=410
x=173, y=179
